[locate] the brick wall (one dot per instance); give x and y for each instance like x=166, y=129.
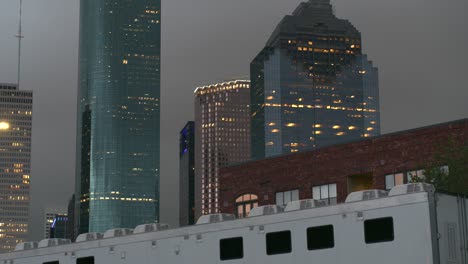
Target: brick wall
x=376, y=157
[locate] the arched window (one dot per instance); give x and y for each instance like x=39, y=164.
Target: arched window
x=245, y=203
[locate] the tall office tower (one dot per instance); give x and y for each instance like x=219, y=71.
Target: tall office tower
x=222, y=137
x=187, y=175
x=311, y=86
x=117, y=177
x=15, y=164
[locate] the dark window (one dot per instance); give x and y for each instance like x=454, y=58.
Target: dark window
x=87, y=260
x=52, y=262
x=378, y=230
x=320, y=237
x=231, y=248
x=278, y=243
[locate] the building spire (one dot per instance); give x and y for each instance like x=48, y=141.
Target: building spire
x=20, y=37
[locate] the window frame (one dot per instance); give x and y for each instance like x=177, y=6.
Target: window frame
x=308, y=235
x=368, y=241
x=393, y=177
x=85, y=258
x=329, y=199
x=221, y=248
x=292, y=197
x=272, y=251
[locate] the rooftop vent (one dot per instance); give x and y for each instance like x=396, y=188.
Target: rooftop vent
x=266, y=210
x=304, y=204
x=150, y=228
x=89, y=237
x=411, y=188
x=366, y=195
x=214, y=218
x=118, y=232
x=52, y=242
x=26, y=246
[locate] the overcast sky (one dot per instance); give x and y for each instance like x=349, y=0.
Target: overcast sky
x=420, y=47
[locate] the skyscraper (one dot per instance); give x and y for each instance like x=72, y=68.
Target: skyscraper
x=15, y=164
x=311, y=86
x=117, y=177
x=187, y=175
x=222, y=137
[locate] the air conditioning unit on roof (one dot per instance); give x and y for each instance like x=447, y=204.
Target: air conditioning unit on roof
x=366, y=195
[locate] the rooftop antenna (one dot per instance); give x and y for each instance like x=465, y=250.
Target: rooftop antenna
x=20, y=37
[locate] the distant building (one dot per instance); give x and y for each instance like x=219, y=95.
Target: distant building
x=71, y=233
x=118, y=130
x=311, y=86
x=58, y=228
x=187, y=175
x=16, y=108
x=49, y=216
x=222, y=121
x=330, y=173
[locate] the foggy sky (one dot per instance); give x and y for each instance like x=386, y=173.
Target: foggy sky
x=419, y=46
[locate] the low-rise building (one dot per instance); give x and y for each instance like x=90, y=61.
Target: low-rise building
x=331, y=173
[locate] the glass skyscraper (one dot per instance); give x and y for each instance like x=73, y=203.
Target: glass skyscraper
x=311, y=86
x=118, y=114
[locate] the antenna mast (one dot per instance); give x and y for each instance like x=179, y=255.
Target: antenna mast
x=20, y=37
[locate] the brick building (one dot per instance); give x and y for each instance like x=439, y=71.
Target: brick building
x=331, y=173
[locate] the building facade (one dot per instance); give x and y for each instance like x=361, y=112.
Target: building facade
x=117, y=177
x=187, y=175
x=331, y=173
x=58, y=228
x=15, y=164
x=311, y=86
x=49, y=216
x=222, y=137
x=70, y=233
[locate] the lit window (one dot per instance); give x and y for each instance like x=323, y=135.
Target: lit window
x=4, y=125
x=392, y=180
x=245, y=203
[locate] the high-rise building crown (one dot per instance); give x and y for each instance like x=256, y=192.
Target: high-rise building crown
x=315, y=5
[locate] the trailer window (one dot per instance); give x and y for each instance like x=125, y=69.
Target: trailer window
x=320, y=237
x=278, y=243
x=231, y=248
x=378, y=230
x=87, y=260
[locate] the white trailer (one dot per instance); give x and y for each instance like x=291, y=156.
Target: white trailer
x=412, y=224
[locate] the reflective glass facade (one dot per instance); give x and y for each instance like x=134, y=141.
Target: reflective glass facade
x=15, y=164
x=118, y=114
x=187, y=175
x=311, y=86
